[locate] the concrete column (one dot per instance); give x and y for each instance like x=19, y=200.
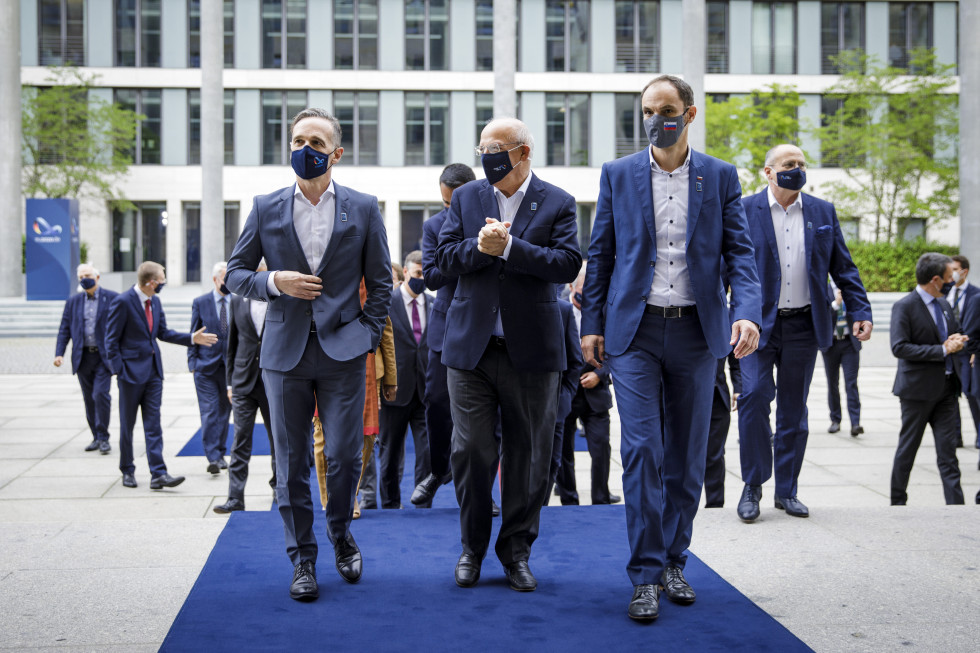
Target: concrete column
x=504, y=58
x=212, y=137
x=11, y=201
x=969, y=134
x=693, y=56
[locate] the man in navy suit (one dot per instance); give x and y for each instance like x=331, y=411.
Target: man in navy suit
x=654, y=310
x=723, y=402
x=509, y=238
x=843, y=353
x=83, y=323
x=438, y=417
x=410, y=311
x=212, y=311
x=798, y=242
x=960, y=299
x=136, y=321
x=317, y=335
x=566, y=391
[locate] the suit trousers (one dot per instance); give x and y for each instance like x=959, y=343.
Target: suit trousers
x=714, y=470
x=565, y=480
x=95, y=378
x=939, y=414
x=339, y=387
x=792, y=351
x=438, y=415
x=146, y=398
x=212, y=401
x=528, y=407
x=244, y=408
x=395, y=422
x=843, y=355
x=664, y=382
x=595, y=426
x=974, y=405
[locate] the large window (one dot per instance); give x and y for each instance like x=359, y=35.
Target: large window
x=278, y=109
x=192, y=238
x=358, y=116
x=630, y=136
x=637, y=36
x=139, y=235
x=412, y=217
x=584, y=221
x=484, y=34
x=426, y=34
x=841, y=29
x=61, y=32
x=194, y=131
x=284, y=33
x=138, y=33
x=567, y=35
x=909, y=27
x=146, y=146
x=838, y=155
x=774, y=38
x=355, y=34
x=716, y=41
x=194, y=33
x=426, y=128
x=567, y=118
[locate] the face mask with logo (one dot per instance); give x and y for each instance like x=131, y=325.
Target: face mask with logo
x=308, y=163
x=497, y=166
x=416, y=285
x=86, y=283
x=664, y=132
x=793, y=179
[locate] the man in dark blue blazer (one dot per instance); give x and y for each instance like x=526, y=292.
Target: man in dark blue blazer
x=961, y=301
x=798, y=242
x=509, y=238
x=83, y=323
x=212, y=311
x=843, y=353
x=319, y=240
x=438, y=417
x=654, y=310
x=566, y=391
x=136, y=321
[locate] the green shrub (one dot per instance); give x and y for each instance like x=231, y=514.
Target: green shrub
x=890, y=267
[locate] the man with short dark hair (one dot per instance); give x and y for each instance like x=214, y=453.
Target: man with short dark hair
x=844, y=354
x=961, y=301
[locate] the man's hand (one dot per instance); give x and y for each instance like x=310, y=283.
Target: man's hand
x=594, y=350
x=229, y=395
x=206, y=339
x=58, y=360
x=493, y=237
x=297, y=284
x=862, y=330
x=735, y=397
x=588, y=380
x=389, y=392
x=746, y=334
x=955, y=342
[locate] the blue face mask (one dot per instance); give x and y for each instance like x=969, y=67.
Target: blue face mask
x=497, y=166
x=86, y=284
x=664, y=132
x=416, y=285
x=308, y=163
x=159, y=287
x=793, y=179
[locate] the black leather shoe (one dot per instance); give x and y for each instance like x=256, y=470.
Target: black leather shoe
x=520, y=577
x=104, y=447
x=160, y=482
x=792, y=506
x=348, y=558
x=213, y=468
x=222, y=464
x=856, y=430
x=129, y=480
x=748, y=505
x=834, y=427
x=645, y=604
x=231, y=505
x=468, y=570
x=425, y=490
x=495, y=511
x=92, y=446
x=614, y=498
x=676, y=586
x=304, y=587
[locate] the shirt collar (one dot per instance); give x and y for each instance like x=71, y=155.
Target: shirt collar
x=926, y=297
x=95, y=295
x=217, y=295
x=655, y=167
x=966, y=284
x=774, y=202
x=403, y=287
x=520, y=192
x=139, y=293
x=327, y=194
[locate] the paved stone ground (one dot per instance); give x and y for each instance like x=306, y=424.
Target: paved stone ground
x=86, y=564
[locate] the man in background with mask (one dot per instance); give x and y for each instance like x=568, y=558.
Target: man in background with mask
x=654, y=310
x=960, y=300
x=317, y=335
x=509, y=239
x=798, y=242
x=83, y=323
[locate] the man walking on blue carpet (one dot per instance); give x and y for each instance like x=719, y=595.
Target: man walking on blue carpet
x=317, y=335
x=654, y=310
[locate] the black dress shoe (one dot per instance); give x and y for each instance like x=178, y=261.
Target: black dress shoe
x=468, y=570
x=792, y=506
x=129, y=480
x=104, y=447
x=834, y=427
x=304, y=587
x=495, y=510
x=425, y=490
x=222, y=464
x=676, y=586
x=748, y=505
x=520, y=577
x=856, y=430
x=213, y=468
x=614, y=498
x=231, y=505
x=92, y=446
x=645, y=604
x=348, y=558
x=160, y=482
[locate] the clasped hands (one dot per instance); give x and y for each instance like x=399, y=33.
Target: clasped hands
x=493, y=237
x=955, y=342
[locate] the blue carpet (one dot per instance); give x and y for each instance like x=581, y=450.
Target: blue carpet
x=260, y=442
x=407, y=600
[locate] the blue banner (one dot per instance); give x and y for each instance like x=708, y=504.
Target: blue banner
x=52, y=248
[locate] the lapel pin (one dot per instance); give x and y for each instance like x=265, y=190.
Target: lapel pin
x=534, y=207
x=697, y=184
x=809, y=225
x=343, y=217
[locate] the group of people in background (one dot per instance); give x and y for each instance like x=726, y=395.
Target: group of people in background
x=493, y=373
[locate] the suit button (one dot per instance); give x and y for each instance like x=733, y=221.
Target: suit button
x=501, y=276
x=309, y=312
x=494, y=309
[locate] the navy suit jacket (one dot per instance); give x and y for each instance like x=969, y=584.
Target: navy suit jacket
x=206, y=360
x=969, y=377
x=410, y=357
x=443, y=285
x=624, y=251
x=242, y=368
x=826, y=253
x=573, y=353
x=358, y=248
x=131, y=347
x=73, y=326
x=522, y=288
x=915, y=342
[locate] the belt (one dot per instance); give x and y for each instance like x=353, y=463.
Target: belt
x=92, y=350
x=790, y=312
x=497, y=341
x=671, y=311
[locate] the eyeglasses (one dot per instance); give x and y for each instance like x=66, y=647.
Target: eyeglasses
x=493, y=148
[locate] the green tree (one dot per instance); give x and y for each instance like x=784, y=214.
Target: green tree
x=74, y=143
x=894, y=134
x=743, y=128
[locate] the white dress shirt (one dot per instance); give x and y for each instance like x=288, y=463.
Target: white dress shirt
x=671, y=279
x=143, y=297
x=508, y=206
x=794, y=287
x=407, y=301
x=313, y=225
x=256, y=310
x=960, y=297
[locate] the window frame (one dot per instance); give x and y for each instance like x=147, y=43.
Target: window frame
x=635, y=65
x=566, y=38
x=427, y=158
x=826, y=67
x=427, y=37
x=284, y=35
x=772, y=6
x=63, y=57
x=138, y=40
x=566, y=111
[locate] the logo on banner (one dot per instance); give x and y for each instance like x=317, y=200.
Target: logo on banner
x=45, y=233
